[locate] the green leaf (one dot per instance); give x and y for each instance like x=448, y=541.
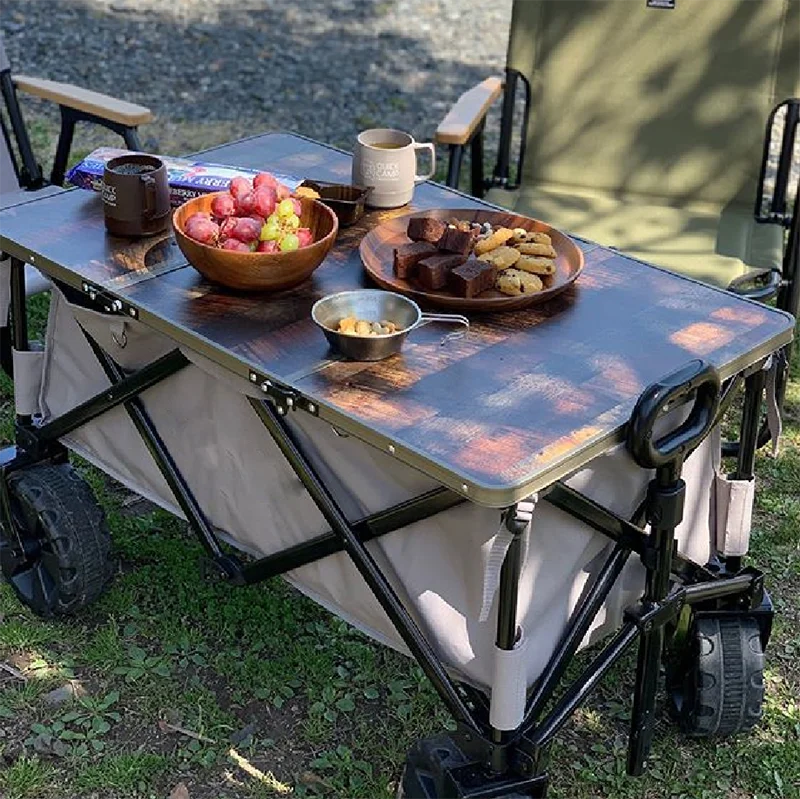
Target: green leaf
x=6, y=712
x=40, y=729
x=162, y=669
x=111, y=698
x=97, y=744
x=72, y=715
x=137, y=654
x=346, y=704
x=330, y=715
x=371, y=692
x=100, y=726
x=278, y=701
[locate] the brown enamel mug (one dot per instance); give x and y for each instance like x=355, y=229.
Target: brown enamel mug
x=136, y=195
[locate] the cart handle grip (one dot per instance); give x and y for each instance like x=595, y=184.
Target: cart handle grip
x=696, y=376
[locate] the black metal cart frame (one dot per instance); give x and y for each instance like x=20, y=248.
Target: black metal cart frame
x=477, y=760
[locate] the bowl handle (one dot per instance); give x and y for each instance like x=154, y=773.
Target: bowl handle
x=447, y=318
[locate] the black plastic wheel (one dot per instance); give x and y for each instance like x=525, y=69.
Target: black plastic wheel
x=63, y=563
x=720, y=688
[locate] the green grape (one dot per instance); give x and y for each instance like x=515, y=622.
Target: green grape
x=289, y=243
x=271, y=230
x=292, y=222
x=285, y=209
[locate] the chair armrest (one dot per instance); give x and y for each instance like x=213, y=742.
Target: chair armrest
x=468, y=112
x=99, y=105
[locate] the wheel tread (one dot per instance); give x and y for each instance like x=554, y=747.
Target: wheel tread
x=728, y=685
x=77, y=527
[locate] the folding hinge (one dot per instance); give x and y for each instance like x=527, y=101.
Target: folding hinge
x=649, y=615
x=107, y=302
x=282, y=397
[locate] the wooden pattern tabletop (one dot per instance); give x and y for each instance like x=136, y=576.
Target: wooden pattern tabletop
x=523, y=399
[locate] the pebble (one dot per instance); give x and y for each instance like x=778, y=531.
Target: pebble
x=66, y=693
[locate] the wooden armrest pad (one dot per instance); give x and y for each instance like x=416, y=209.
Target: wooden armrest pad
x=468, y=112
x=101, y=105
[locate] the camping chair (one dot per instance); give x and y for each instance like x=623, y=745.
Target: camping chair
x=642, y=128
x=21, y=173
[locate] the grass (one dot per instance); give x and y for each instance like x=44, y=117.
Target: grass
x=256, y=692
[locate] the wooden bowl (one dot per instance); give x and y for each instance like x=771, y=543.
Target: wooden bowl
x=258, y=271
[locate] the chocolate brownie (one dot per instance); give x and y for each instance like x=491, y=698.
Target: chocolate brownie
x=425, y=228
x=432, y=271
x=458, y=241
x=407, y=256
x=471, y=278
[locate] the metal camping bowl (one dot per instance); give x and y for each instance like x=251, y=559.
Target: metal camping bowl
x=375, y=306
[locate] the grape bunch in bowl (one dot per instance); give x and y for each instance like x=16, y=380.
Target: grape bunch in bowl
x=257, y=216
x=255, y=235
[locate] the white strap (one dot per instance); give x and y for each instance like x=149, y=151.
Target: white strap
x=497, y=553
x=28, y=371
x=509, y=685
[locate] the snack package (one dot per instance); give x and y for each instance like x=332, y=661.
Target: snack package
x=187, y=179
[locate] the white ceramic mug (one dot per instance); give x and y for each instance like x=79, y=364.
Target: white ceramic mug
x=386, y=161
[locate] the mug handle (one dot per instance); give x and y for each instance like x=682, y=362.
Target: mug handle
x=425, y=146
x=150, y=201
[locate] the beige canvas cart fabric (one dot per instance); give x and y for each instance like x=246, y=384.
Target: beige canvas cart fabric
x=647, y=124
x=248, y=490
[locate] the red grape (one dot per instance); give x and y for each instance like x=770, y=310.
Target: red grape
x=282, y=191
x=227, y=226
x=267, y=246
x=298, y=206
x=246, y=230
x=234, y=244
x=203, y=230
x=198, y=217
x=239, y=186
x=264, y=200
x=304, y=236
x=245, y=204
x=264, y=179
x=223, y=206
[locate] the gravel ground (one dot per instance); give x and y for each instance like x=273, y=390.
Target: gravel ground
x=213, y=70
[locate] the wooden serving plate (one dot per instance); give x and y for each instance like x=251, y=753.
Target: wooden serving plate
x=377, y=253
